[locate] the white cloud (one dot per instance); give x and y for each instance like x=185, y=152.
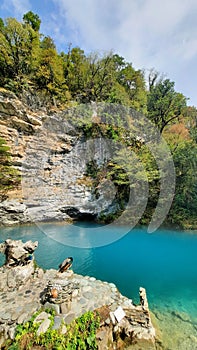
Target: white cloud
x=16, y=7
x=148, y=33
x=138, y=29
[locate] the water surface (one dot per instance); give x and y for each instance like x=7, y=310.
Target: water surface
x=164, y=262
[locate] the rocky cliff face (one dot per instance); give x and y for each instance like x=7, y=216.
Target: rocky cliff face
x=51, y=154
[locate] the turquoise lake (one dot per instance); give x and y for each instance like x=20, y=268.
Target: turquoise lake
x=164, y=262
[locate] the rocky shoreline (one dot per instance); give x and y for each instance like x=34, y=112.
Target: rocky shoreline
x=26, y=289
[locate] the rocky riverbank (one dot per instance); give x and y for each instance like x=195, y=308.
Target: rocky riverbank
x=26, y=288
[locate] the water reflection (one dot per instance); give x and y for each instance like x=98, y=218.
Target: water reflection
x=83, y=236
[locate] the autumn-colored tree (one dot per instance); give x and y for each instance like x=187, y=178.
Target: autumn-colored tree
x=190, y=120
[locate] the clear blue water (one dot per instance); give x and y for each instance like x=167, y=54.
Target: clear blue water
x=165, y=262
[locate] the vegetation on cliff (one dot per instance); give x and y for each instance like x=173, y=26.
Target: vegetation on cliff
x=80, y=334
x=31, y=66
x=9, y=177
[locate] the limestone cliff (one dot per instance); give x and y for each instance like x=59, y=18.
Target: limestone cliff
x=51, y=155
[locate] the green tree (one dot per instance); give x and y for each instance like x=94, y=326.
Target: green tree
x=75, y=72
x=1, y=24
x=47, y=43
x=50, y=73
x=89, y=78
x=164, y=104
x=183, y=211
x=100, y=77
x=134, y=83
x=19, y=45
x=118, y=95
x=32, y=19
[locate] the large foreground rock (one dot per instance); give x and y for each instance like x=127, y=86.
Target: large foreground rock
x=19, y=263
x=25, y=289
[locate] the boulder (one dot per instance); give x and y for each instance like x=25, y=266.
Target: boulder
x=13, y=212
x=18, y=253
x=19, y=263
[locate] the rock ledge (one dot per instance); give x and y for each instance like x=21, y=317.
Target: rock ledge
x=70, y=295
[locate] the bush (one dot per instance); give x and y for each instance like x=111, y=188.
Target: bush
x=80, y=334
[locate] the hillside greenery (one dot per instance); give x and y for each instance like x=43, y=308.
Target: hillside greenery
x=9, y=177
x=30, y=65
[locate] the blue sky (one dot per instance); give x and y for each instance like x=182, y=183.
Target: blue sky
x=148, y=33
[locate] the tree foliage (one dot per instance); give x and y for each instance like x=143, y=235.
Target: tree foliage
x=32, y=19
x=18, y=52
x=183, y=211
x=49, y=75
x=164, y=104
x=30, y=60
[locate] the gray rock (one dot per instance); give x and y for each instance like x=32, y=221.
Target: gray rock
x=14, y=316
x=113, y=319
x=57, y=322
x=127, y=302
x=11, y=332
x=92, y=279
x=12, y=206
x=87, y=295
x=107, y=321
x=86, y=289
x=17, y=252
x=84, y=282
x=13, y=212
x=65, y=307
x=6, y=316
x=19, y=261
x=11, y=281
x=44, y=326
x=143, y=298
x=41, y=317
x=69, y=318
x=43, y=144
x=54, y=307
x=3, y=281
x=104, y=338
x=22, y=318
x=82, y=301
x=39, y=273
x=75, y=293
x=63, y=329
